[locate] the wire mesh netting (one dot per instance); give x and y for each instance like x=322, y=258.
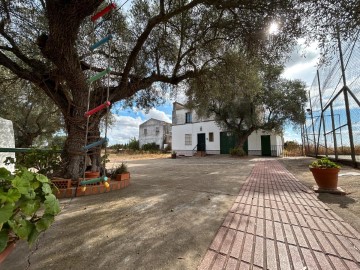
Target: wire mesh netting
x=332, y=127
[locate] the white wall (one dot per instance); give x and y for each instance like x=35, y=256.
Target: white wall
x=7, y=140
x=178, y=137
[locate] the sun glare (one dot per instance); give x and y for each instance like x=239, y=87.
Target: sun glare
x=274, y=28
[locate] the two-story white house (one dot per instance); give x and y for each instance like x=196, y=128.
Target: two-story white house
x=155, y=131
x=191, y=134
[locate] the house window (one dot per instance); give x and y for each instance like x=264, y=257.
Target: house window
x=188, y=140
x=145, y=131
x=211, y=136
x=157, y=130
x=188, y=117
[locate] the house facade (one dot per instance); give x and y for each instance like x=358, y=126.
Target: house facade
x=191, y=134
x=155, y=131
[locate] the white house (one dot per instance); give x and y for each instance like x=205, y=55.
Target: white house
x=191, y=134
x=155, y=131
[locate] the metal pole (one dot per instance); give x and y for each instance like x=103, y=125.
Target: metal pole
x=307, y=140
x=302, y=140
x=312, y=121
x=333, y=128
x=346, y=98
x=322, y=110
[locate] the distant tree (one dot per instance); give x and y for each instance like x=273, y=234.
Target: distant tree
x=35, y=117
x=245, y=95
x=134, y=144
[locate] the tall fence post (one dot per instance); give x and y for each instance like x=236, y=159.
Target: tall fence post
x=322, y=114
x=347, y=107
x=312, y=122
x=333, y=131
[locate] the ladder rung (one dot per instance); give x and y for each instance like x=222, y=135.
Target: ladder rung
x=101, y=42
x=103, y=12
x=94, y=144
x=98, y=108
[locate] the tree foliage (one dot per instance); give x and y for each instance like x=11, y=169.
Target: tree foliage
x=35, y=117
x=244, y=95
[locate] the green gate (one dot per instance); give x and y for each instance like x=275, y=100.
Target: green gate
x=229, y=141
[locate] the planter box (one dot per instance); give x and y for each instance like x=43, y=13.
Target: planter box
x=123, y=176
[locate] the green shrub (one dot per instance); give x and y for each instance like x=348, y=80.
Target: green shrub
x=151, y=147
x=324, y=163
x=237, y=152
x=134, y=144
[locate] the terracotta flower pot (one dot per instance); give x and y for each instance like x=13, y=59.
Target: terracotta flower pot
x=326, y=178
x=89, y=174
x=123, y=176
x=6, y=252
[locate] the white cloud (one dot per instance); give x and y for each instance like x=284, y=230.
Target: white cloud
x=123, y=129
x=159, y=115
x=302, y=62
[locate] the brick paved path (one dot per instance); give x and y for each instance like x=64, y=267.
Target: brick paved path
x=278, y=223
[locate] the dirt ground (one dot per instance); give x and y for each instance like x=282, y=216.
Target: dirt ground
x=346, y=206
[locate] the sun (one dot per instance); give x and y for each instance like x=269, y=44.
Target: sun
x=274, y=28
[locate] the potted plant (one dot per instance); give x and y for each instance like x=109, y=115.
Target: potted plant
x=173, y=154
x=121, y=172
x=27, y=207
x=325, y=173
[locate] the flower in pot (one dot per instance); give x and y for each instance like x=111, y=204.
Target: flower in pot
x=121, y=172
x=325, y=173
x=27, y=207
x=173, y=154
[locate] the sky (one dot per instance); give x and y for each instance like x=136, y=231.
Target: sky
x=301, y=65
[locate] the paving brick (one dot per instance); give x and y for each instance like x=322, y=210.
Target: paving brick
x=289, y=234
x=350, y=247
x=313, y=242
x=243, y=223
x=299, y=236
x=296, y=259
x=219, y=262
x=226, y=244
x=231, y=264
x=207, y=261
x=283, y=256
x=310, y=261
x=324, y=242
x=251, y=225
x=337, y=262
x=271, y=258
x=320, y=224
x=238, y=244
x=260, y=227
x=228, y=219
x=259, y=252
x=279, y=232
x=269, y=229
x=338, y=246
x=215, y=245
x=352, y=265
x=355, y=233
x=235, y=221
x=323, y=260
x=248, y=248
x=245, y=266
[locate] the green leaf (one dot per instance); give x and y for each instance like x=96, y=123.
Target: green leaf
x=27, y=175
x=4, y=174
x=31, y=194
x=42, y=178
x=45, y=222
x=29, y=207
x=22, y=228
x=52, y=205
x=3, y=240
x=34, y=234
x=46, y=189
x=12, y=195
x=6, y=211
x=35, y=184
x=21, y=184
